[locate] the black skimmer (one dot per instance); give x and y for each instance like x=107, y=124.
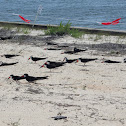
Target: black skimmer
x=110, y=61
x=69, y=60
x=6, y=37
x=52, y=65
x=16, y=78
x=68, y=52
x=50, y=43
x=62, y=46
x=59, y=117
x=9, y=55
x=52, y=49
x=36, y=58
x=75, y=50
x=33, y=79
x=79, y=50
x=85, y=60
x=7, y=64
x=57, y=64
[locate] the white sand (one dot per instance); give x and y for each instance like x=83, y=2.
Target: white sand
x=93, y=95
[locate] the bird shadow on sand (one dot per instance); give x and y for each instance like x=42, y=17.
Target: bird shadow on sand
x=84, y=65
x=84, y=70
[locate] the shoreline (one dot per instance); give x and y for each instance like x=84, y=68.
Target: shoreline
x=86, y=30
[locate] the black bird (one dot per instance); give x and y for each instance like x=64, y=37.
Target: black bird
x=69, y=60
x=6, y=37
x=7, y=64
x=52, y=65
x=52, y=49
x=16, y=78
x=85, y=60
x=36, y=58
x=69, y=52
x=50, y=43
x=110, y=61
x=33, y=79
x=62, y=46
x=59, y=117
x=79, y=50
x=9, y=55
x=57, y=64
x=74, y=51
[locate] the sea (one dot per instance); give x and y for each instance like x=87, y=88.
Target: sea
x=80, y=13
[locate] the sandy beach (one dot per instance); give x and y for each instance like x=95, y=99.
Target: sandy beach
x=90, y=95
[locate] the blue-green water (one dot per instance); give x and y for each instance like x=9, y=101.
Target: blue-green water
x=82, y=13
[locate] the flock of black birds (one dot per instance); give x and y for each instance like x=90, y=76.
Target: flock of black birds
x=50, y=64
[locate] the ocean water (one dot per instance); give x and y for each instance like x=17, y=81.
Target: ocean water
x=81, y=13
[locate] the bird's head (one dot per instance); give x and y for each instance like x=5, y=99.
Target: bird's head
x=10, y=76
x=103, y=60
x=75, y=48
x=124, y=60
x=62, y=52
x=1, y=62
x=65, y=59
x=30, y=58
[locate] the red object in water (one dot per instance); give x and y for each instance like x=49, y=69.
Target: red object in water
x=28, y=21
x=116, y=21
x=113, y=22
x=106, y=23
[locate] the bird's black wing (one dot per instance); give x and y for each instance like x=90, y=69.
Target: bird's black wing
x=7, y=64
x=9, y=55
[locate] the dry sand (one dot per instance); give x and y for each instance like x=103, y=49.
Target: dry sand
x=93, y=95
